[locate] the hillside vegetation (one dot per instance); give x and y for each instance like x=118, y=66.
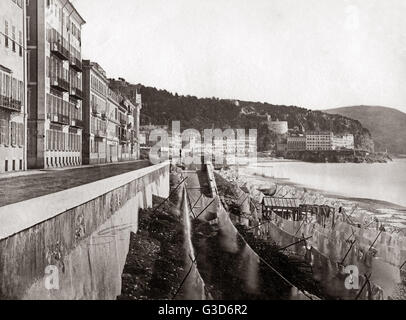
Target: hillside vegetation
x=163, y=107
x=387, y=125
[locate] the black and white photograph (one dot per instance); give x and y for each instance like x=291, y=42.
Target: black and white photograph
x=202, y=151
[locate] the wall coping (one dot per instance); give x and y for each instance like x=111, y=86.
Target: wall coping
x=20, y=216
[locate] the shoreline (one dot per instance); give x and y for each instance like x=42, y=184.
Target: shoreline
x=387, y=204
x=391, y=215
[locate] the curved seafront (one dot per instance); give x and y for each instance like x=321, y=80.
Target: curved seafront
x=376, y=189
x=379, y=181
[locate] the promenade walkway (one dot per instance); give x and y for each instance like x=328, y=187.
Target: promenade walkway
x=24, y=186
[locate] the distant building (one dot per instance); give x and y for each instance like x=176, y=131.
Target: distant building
x=54, y=57
x=319, y=140
x=279, y=127
x=12, y=86
x=281, y=147
x=145, y=132
x=343, y=142
x=131, y=91
x=296, y=143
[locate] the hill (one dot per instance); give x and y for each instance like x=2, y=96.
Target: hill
x=163, y=107
x=387, y=125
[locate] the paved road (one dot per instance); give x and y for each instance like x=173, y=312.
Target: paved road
x=20, y=188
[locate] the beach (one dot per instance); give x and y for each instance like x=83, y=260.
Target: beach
x=338, y=185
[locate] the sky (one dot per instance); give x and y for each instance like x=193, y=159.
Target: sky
x=317, y=54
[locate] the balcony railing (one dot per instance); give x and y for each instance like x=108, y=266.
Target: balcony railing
x=76, y=123
x=59, y=118
x=10, y=104
x=124, y=137
x=100, y=133
x=60, y=84
x=59, y=50
x=95, y=112
x=75, y=64
x=76, y=93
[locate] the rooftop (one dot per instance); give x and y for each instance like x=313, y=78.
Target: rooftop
x=68, y=4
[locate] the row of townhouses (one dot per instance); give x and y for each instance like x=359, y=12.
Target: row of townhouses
x=57, y=110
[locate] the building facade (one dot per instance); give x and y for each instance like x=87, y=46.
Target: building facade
x=12, y=86
x=95, y=97
x=111, y=121
x=113, y=124
x=343, y=142
x=319, y=140
x=296, y=143
x=129, y=148
x=54, y=84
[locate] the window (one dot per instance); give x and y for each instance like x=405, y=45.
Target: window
x=13, y=37
x=4, y=132
x=20, y=42
x=13, y=133
x=28, y=69
x=6, y=33
x=28, y=28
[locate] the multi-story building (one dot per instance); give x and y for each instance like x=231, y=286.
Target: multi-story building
x=343, y=142
x=113, y=125
x=95, y=97
x=296, y=143
x=12, y=86
x=319, y=140
x=54, y=84
x=133, y=104
x=111, y=121
x=128, y=130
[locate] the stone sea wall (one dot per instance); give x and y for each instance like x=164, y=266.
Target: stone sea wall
x=73, y=244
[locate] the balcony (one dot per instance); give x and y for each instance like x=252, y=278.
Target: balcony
x=76, y=93
x=10, y=104
x=60, y=84
x=59, y=118
x=124, y=138
x=95, y=112
x=76, y=123
x=58, y=49
x=101, y=134
x=75, y=64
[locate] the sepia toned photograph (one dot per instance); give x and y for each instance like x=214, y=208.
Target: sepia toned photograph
x=202, y=151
